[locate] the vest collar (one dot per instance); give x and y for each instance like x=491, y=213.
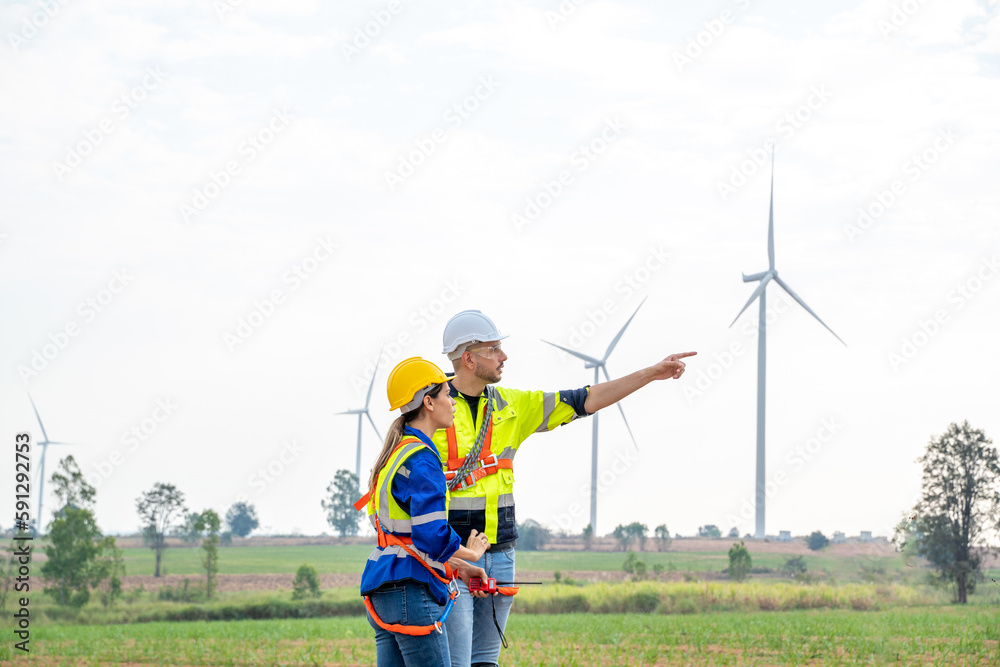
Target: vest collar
x=417, y=433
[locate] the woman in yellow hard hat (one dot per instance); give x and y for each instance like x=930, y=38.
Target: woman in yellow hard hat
x=408, y=583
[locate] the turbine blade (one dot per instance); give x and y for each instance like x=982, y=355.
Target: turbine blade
x=622, y=411
x=41, y=467
x=39, y=417
x=578, y=355
x=622, y=331
x=756, y=293
x=374, y=373
x=372, y=421
x=803, y=304
x=770, y=220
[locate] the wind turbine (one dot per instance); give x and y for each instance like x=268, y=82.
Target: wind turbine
x=600, y=365
x=765, y=277
x=363, y=412
x=44, y=442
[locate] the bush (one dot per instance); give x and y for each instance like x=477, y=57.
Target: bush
x=872, y=571
x=711, y=530
x=740, y=562
x=306, y=584
x=641, y=602
x=794, y=566
x=180, y=593
x=635, y=567
x=663, y=539
x=532, y=536
x=817, y=541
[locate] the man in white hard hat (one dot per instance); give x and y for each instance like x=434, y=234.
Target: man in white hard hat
x=477, y=453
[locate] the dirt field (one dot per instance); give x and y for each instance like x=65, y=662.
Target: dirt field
x=229, y=583
x=877, y=548
x=880, y=547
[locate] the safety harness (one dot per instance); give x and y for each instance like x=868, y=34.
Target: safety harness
x=463, y=472
x=388, y=539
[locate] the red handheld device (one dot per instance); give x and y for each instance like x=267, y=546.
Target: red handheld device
x=487, y=585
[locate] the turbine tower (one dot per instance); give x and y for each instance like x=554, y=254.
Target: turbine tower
x=765, y=277
x=600, y=365
x=44, y=442
x=363, y=412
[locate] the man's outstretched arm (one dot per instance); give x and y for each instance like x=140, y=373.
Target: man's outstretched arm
x=608, y=393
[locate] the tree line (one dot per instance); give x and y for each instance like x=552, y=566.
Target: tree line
x=951, y=525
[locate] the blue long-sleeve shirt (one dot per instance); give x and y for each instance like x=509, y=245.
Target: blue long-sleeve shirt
x=421, y=492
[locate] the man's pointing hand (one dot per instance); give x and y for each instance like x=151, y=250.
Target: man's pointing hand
x=672, y=367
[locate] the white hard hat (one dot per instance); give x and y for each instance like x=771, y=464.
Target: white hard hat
x=466, y=327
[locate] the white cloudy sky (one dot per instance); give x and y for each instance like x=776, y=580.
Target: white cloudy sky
x=861, y=98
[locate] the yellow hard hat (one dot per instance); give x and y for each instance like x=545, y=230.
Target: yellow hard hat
x=408, y=383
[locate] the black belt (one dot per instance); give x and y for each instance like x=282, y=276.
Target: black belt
x=503, y=546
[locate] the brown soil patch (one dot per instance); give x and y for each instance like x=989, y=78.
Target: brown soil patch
x=230, y=583
x=135, y=542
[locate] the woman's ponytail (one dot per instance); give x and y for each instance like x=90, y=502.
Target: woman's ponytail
x=392, y=439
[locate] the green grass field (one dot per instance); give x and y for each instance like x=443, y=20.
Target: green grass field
x=761, y=621
x=341, y=559
x=939, y=635
x=337, y=559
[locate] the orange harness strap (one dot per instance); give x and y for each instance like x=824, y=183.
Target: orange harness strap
x=454, y=461
x=504, y=590
x=489, y=464
x=414, y=630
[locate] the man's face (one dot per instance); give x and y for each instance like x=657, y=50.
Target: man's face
x=489, y=358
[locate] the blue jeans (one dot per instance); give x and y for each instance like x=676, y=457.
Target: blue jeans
x=408, y=603
x=472, y=636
